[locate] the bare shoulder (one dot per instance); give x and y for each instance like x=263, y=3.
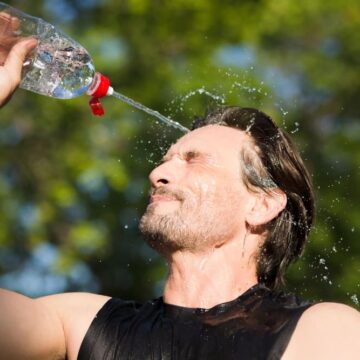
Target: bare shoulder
x=330, y=312
x=326, y=331
x=78, y=301
x=76, y=311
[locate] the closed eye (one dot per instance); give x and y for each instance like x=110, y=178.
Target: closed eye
x=198, y=157
x=188, y=156
x=191, y=155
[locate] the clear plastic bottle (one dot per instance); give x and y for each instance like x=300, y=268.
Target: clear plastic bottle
x=59, y=67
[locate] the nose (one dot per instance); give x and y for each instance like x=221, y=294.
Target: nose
x=164, y=174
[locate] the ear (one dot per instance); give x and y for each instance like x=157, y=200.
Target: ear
x=266, y=206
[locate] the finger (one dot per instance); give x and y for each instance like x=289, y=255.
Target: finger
x=9, y=27
x=5, y=16
x=5, y=22
x=8, y=43
x=16, y=57
x=15, y=23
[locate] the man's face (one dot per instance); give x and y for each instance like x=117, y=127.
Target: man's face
x=198, y=199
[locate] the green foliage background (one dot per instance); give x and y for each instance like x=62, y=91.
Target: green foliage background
x=72, y=187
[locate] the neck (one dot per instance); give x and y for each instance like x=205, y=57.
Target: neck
x=212, y=277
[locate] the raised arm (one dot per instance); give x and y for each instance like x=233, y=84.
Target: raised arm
x=29, y=329
x=52, y=327
x=49, y=328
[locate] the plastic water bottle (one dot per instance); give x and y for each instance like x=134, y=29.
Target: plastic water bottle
x=59, y=67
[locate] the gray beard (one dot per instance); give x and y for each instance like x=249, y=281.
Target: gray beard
x=173, y=232
x=165, y=233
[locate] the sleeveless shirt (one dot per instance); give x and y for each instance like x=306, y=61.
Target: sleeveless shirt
x=256, y=325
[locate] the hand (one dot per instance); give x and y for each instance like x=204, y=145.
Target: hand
x=13, y=50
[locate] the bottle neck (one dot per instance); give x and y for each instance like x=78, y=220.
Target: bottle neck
x=100, y=86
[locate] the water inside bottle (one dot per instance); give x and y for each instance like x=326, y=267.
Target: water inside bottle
x=59, y=67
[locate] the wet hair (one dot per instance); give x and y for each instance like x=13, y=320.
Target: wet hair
x=273, y=162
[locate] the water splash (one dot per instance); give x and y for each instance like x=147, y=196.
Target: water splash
x=201, y=91
x=151, y=112
x=177, y=104
x=248, y=89
x=297, y=128
x=354, y=299
x=282, y=110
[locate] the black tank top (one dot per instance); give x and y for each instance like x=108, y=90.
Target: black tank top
x=256, y=325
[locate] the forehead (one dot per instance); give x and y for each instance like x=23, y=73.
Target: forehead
x=213, y=139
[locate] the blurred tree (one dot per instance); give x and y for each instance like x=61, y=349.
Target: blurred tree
x=72, y=187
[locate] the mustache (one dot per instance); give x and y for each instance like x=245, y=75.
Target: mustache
x=175, y=193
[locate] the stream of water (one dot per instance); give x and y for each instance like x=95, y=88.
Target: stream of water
x=151, y=112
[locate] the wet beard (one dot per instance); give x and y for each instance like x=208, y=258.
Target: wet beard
x=165, y=233
x=182, y=230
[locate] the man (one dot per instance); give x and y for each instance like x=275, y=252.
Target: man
x=231, y=206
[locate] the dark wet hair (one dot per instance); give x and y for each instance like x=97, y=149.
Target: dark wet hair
x=274, y=162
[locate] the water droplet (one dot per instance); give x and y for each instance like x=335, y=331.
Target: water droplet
x=355, y=299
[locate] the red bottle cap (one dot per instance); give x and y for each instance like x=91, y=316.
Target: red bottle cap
x=99, y=88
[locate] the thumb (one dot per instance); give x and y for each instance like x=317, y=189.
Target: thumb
x=16, y=57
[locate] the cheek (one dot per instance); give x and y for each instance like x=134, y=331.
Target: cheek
x=207, y=190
